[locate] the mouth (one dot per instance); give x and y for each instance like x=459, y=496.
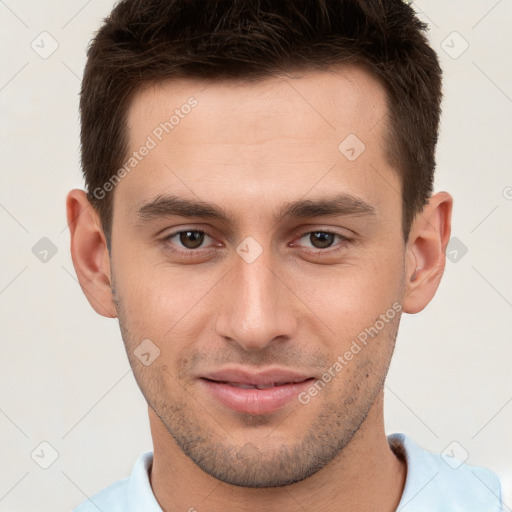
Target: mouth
x=255, y=393
x=270, y=385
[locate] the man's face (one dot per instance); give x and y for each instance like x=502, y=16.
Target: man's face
x=259, y=297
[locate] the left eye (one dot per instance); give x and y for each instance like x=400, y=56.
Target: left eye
x=322, y=239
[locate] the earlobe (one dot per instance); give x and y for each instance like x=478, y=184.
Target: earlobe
x=426, y=252
x=89, y=253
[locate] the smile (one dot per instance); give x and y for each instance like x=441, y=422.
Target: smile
x=255, y=393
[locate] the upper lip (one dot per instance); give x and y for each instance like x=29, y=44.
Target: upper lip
x=269, y=377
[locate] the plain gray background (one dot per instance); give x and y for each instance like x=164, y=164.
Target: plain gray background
x=64, y=376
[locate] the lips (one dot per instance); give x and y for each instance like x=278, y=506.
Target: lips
x=257, y=386
x=261, y=392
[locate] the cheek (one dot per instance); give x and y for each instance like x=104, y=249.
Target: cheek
x=159, y=302
x=351, y=296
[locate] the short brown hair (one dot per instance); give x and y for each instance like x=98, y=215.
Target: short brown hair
x=145, y=41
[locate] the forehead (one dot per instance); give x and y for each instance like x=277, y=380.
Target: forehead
x=273, y=138
x=346, y=98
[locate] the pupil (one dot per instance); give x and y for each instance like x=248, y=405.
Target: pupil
x=324, y=239
x=195, y=237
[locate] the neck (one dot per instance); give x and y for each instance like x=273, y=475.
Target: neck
x=366, y=475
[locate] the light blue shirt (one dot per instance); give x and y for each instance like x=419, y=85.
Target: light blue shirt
x=434, y=483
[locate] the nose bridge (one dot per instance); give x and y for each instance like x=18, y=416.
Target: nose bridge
x=256, y=308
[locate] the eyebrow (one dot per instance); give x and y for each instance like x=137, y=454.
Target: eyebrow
x=171, y=205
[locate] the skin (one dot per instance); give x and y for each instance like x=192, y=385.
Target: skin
x=250, y=149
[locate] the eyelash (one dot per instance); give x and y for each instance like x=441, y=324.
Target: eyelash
x=190, y=253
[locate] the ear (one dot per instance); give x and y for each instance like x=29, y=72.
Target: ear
x=426, y=252
x=89, y=253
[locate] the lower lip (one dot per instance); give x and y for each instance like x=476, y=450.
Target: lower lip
x=255, y=401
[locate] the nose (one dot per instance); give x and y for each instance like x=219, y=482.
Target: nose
x=257, y=306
